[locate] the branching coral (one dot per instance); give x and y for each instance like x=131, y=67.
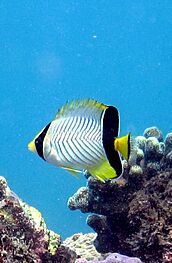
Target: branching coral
x=133, y=216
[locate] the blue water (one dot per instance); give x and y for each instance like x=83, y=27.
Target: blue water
x=118, y=52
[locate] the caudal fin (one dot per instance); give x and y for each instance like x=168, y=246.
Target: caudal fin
x=123, y=146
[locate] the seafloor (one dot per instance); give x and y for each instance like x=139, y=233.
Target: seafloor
x=131, y=217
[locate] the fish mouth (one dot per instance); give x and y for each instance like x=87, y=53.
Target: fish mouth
x=31, y=146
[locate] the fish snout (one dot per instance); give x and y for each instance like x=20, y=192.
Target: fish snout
x=31, y=146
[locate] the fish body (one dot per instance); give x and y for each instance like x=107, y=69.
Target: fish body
x=84, y=136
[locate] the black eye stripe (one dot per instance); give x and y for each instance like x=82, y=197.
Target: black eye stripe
x=39, y=142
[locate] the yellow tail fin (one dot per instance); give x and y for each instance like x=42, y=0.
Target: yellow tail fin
x=122, y=145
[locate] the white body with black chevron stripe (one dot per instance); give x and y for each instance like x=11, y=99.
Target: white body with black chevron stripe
x=75, y=142
x=82, y=137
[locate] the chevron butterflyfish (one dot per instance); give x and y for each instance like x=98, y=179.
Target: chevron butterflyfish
x=84, y=137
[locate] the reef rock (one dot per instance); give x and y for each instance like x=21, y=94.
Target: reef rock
x=118, y=258
x=24, y=236
x=133, y=216
x=112, y=258
x=82, y=245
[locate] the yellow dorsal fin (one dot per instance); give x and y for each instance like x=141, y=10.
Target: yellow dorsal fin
x=77, y=107
x=122, y=145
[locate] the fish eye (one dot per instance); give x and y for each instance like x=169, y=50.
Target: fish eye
x=39, y=145
x=37, y=141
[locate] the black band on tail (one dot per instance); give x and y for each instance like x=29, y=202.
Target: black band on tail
x=110, y=132
x=129, y=145
x=39, y=142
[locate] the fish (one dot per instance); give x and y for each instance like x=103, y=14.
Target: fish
x=83, y=137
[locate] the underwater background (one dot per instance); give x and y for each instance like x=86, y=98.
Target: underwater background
x=117, y=52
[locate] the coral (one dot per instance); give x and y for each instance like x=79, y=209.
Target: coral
x=153, y=132
x=79, y=200
x=82, y=245
x=133, y=216
x=81, y=260
x=112, y=258
x=150, y=215
x=136, y=169
x=24, y=236
x=168, y=143
x=167, y=258
x=168, y=150
x=62, y=255
x=118, y=258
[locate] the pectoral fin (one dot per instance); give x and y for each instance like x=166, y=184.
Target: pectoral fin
x=74, y=172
